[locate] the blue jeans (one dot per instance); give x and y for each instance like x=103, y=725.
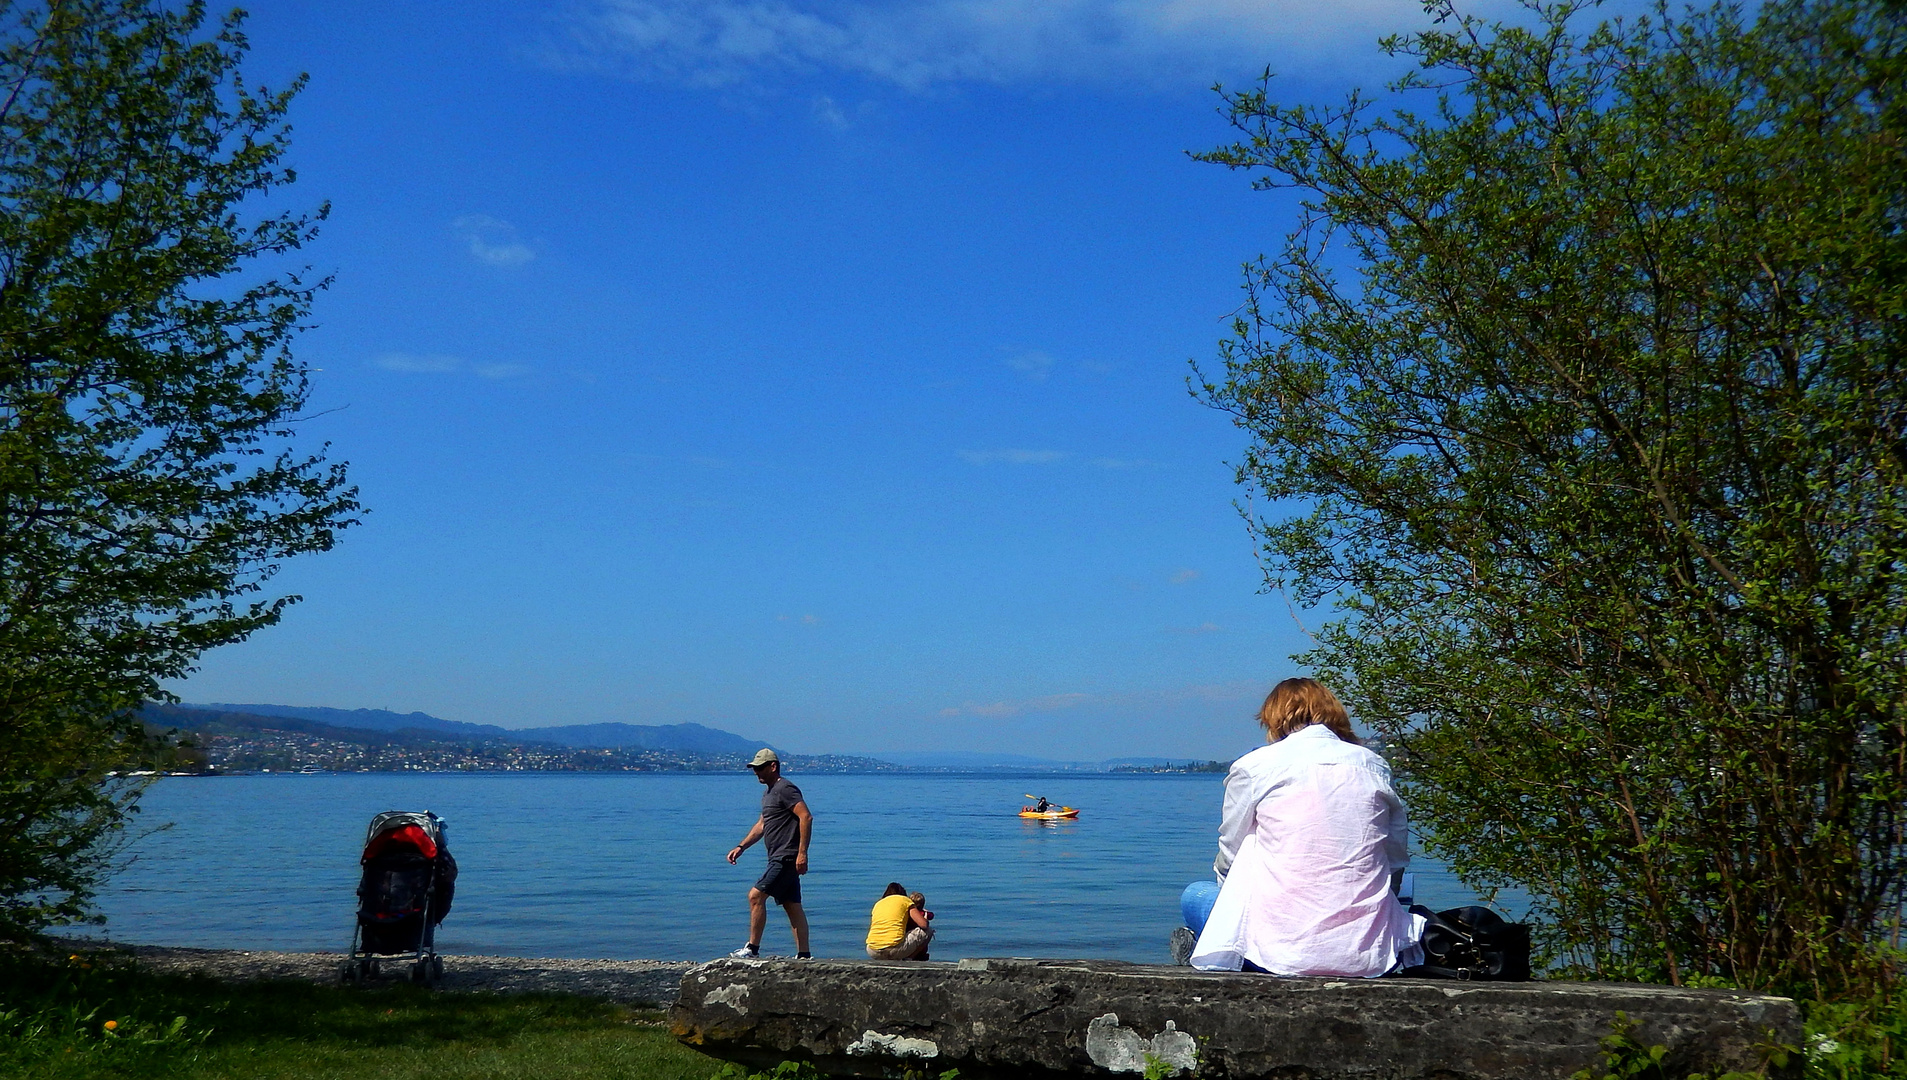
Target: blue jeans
x=1195, y=904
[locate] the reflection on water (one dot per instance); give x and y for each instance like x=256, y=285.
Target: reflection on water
x=628, y=866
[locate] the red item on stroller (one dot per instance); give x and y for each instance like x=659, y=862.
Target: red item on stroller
x=411, y=836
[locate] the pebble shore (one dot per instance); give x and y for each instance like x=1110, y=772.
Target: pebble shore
x=647, y=982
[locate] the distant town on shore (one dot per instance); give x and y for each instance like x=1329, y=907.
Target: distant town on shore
x=230, y=739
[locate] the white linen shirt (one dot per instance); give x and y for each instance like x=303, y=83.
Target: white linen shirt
x=1311, y=833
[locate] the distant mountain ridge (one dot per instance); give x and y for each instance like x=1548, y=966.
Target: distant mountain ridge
x=677, y=738
x=692, y=738
x=973, y=759
x=706, y=740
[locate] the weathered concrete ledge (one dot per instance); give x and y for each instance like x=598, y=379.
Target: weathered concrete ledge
x=1052, y=1018
x=645, y=982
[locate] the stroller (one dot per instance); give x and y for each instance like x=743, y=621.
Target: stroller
x=409, y=880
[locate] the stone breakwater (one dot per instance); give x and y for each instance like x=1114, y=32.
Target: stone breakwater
x=647, y=982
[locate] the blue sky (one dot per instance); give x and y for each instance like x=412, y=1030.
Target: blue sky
x=813, y=370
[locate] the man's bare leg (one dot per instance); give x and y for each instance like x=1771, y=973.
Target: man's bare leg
x=798, y=922
x=758, y=917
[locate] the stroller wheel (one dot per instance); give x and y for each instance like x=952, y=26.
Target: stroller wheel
x=420, y=973
x=436, y=970
x=348, y=973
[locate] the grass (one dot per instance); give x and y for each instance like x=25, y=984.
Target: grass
x=88, y=1017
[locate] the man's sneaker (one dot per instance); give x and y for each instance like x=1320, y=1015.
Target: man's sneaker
x=747, y=952
x=804, y=956
x=1183, y=939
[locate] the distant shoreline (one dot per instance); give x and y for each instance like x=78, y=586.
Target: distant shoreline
x=793, y=770
x=282, y=738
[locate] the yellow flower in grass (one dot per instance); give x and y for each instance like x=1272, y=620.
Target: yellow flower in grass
x=112, y=1025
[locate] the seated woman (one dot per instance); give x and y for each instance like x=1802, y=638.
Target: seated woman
x=897, y=928
x=1312, y=838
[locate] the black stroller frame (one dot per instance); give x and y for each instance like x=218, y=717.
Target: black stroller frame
x=369, y=951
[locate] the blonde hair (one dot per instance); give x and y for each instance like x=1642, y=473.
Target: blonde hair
x=1296, y=704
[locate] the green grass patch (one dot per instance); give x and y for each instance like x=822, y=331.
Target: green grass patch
x=91, y=1017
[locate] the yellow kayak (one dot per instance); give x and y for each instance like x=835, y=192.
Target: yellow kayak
x=1049, y=815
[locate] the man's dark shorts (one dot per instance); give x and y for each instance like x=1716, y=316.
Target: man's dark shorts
x=782, y=883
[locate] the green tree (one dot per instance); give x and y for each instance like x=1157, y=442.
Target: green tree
x=148, y=489
x=1579, y=395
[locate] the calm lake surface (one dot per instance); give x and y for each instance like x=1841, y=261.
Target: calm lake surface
x=631, y=866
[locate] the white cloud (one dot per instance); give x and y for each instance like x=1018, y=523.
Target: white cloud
x=1118, y=701
x=492, y=240
x=1183, y=576
x=498, y=371
x=1013, y=457
x=1034, y=365
x=443, y=364
x=828, y=113
x=1198, y=631
x=917, y=44
x=998, y=709
x=418, y=363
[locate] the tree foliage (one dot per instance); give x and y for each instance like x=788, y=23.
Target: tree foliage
x=1587, y=385
x=148, y=490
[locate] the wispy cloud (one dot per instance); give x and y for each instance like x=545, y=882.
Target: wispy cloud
x=444, y=364
x=492, y=241
x=1123, y=701
x=499, y=371
x=1022, y=456
x=1197, y=631
x=1181, y=577
x=1013, y=457
x=418, y=363
x=1034, y=365
x=917, y=44
x=829, y=113
x=998, y=709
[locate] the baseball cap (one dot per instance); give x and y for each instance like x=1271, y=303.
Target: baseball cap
x=764, y=756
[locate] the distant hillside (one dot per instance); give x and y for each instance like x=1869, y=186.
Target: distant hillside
x=231, y=741
x=364, y=719
x=225, y=720
x=692, y=738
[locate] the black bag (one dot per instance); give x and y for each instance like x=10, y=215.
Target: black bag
x=1472, y=943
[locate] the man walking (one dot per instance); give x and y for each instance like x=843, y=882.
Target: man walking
x=786, y=825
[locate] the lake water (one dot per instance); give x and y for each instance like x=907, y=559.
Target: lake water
x=630, y=866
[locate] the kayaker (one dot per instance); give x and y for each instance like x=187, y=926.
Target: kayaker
x=1041, y=808
x=1309, y=845
x=897, y=927
x=787, y=826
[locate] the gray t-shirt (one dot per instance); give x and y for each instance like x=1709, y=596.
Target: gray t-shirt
x=780, y=832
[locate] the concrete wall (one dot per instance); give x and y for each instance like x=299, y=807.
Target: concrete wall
x=1050, y=1018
